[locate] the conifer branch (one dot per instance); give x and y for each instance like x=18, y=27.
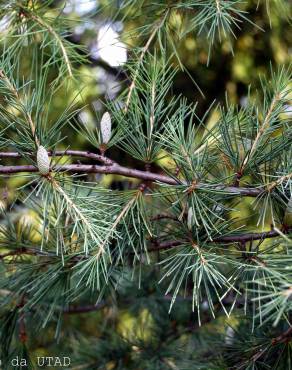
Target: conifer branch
x=22, y=327
x=163, y=216
x=26, y=251
x=240, y=238
x=50, y=29
x=262, y=129
x=156, y=28
x=77, y=210
x=249, y=237
x=284, y=337
x=116, y=169
x=62, y=153
x=84, y=309
x=18, y=98
x=70, y=243
x=122, y=214
x=279, y=181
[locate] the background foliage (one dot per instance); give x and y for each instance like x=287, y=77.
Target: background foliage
x=204, y=72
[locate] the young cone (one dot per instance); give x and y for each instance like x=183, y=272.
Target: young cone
x=43, y=160
x=106, y=127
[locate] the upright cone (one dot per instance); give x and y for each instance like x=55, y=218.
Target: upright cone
x=106, y=127
x=43, y=160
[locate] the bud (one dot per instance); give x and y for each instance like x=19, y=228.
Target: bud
x=43, y=160
x=106, y=127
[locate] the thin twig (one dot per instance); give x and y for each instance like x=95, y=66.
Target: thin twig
x=279, y=181
x=241, y=238
x=284, y=337
x=22, y=327
x=162, y=216
x=84, y=309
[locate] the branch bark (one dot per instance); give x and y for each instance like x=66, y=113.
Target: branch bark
x=284, y=337
x=241, y=238
x=62, y=153
x=249, y=237
x=85, y=308
x=116, y=169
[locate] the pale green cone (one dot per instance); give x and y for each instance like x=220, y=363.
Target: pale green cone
x=43, y=160
x=106, y=127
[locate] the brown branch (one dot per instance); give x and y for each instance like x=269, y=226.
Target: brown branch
x=162, y=216
x=116, y=169
x=84, y=309
x=241, y=238
x=61, y=153
x=284, y=337
x=165, y=245
x=249, y=237
x=111, y=167
x=22, y=327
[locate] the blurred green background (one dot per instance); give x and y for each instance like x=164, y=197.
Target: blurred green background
x=139, y=325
